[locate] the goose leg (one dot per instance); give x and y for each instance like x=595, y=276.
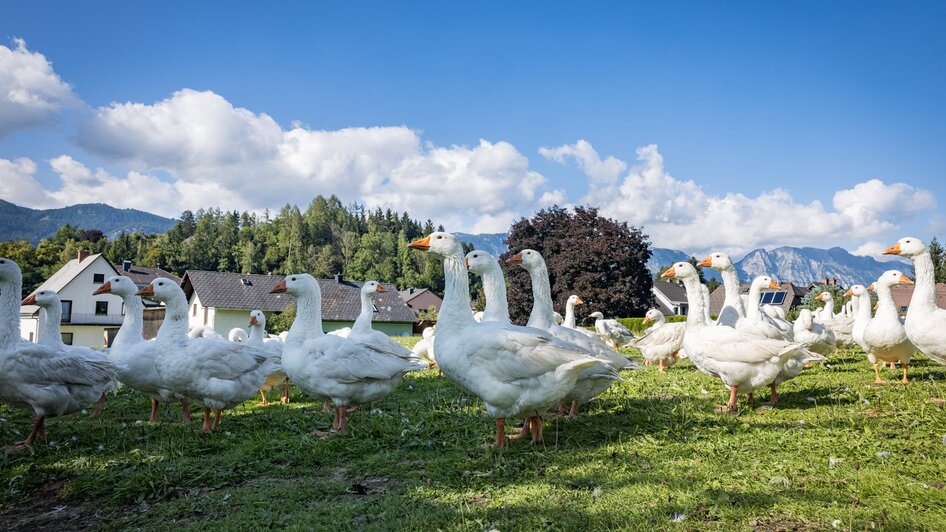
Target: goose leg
x=905, y=365
x=500, y=432
x=326, y=406
x=217, y=412
x=285, y=392
x=38, y=433
x=731, y=406
x=571, y=413
x=526, y=429
x=186, y=413
x=206, y=425
x=878, y=380
x=343, y=419
x=660, y=365
x=773, y=399
x=154, y=411
x=537, y=429
x=99, y=406
x=262, y=394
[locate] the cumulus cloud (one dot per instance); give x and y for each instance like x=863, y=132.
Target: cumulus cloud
x=875, y=249
x=18, y=184
x=31, y=93
x=230, y=157
x=680, y=214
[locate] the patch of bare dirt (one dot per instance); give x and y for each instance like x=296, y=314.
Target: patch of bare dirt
x=47, y=509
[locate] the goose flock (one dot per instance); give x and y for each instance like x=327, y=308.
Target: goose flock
x=515, y=371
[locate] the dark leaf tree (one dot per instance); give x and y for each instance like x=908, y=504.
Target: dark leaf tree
x=599, y=259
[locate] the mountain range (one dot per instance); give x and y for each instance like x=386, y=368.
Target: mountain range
x=23, y=223
x=799, y=265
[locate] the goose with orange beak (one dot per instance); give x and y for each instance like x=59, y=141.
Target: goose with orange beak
x=743, y=361
x=135, y=357
x=733, y=308
x=611, y=331
x=216, y=373
x=45, y=380
x=273, y=349
x=662, y=342
x=882, y=336
x=364, y=334
x=926, y=322
x=327, y=367
x=515, y=371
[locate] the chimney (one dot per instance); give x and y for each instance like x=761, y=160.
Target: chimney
x=338, y=277
x=83, y=254
x=126, y=265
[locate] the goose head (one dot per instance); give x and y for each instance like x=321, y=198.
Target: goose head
x=825, y=296
x=891, y=278
x=575, y=300
x=481, y=262
x=764, y=282
x=652, y=315
x=718, y=261
x=257, y=318
x=297, y=284
x=907, y=246
x=371, y=288
x=163, y=290
x=10, y=271
x=529, y=259
x=118, y=285
x=596, y=315
x=237, y=335
x=805, y=319
x=438, y=243
x=855, y=290
x=680, y=270
x=43, y=298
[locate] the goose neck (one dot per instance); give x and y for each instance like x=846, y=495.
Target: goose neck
x=308, y=321
x=924, y=292
x=731, y=289
x=752, y=303
x=570, y=314
x=862, y=313
x=885, y=305
x=174, y=327
x=49, y=333
x=494, y=286
x=10, y=292
x=543, y=315
x=696, y=311
x=132, y=323
x=367, y=311
x=455, y=311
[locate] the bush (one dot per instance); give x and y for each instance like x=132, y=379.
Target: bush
x=636, y=325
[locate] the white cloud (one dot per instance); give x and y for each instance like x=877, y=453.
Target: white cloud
x=680, y=214
x=31, y=93
x=221, y=155
x=875, y=249
x=17, y=184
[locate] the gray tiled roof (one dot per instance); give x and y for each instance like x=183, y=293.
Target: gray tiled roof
x=674, y=292
x=143, y=275
x=341, y=301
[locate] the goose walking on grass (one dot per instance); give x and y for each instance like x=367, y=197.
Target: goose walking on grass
x=363, y=333
x=333, y=368
x=50, y=334
x=515, y=371
x=43, y=379
x=926, y=323
x=662, y=342
x=273, y=348
x=882, y=336
x=135, y=357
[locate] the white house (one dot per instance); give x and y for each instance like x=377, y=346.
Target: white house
x=671, y=298
x=87, y=320
x=223, y=300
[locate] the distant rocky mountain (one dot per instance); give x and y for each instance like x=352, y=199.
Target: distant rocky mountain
x=492, y=243
x=22, y=223
x=806, y=265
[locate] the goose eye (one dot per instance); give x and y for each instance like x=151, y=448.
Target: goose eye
x=439, y=237
x=292, y=278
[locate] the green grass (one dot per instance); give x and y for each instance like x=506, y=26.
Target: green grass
x=648, y=449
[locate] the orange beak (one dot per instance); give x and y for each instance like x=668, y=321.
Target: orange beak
x=846, y=294
x=646, y=320
x=578, y=301
x=279, y=288
x=669, y=273
x=905, y=280
x=708, y=261
x=893, y=250
x=380, y=289
x=29, y=300
x=467, y=261
x=423, y=244
x=820, y=297
x=871, y=287
x=253, y=320
x=104, y=289
x=774, y=285
x=146, y=291
x=515, y=259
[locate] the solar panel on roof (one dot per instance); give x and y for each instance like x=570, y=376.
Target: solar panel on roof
x=778, y=298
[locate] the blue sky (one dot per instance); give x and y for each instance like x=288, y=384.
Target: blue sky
x=472, y=114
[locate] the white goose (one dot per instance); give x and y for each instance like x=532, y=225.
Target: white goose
x=424, y=348
x=237, y=334
x=494, y=286
x=882, y=337
x=733, y=307
x=611, y=330
x=51, y=334
x=515, y=371
x=569, y=320
x=46, y=380
x=926, y=323
x=743, y=361
x=812, y=335
x=134, y=356
x=329, y=367
x=273, y=348
x=216, y=373
x=363, y=333
x=827, y=312
x=662, y=342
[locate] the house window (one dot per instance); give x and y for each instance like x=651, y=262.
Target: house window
x=194, y=312
x=101, y=308
x=205, y=316
x=67, y=338
x=903, y=309
x=98, y=278
x=66, y=311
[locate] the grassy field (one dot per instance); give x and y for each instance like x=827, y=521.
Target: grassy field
x=649, y=453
